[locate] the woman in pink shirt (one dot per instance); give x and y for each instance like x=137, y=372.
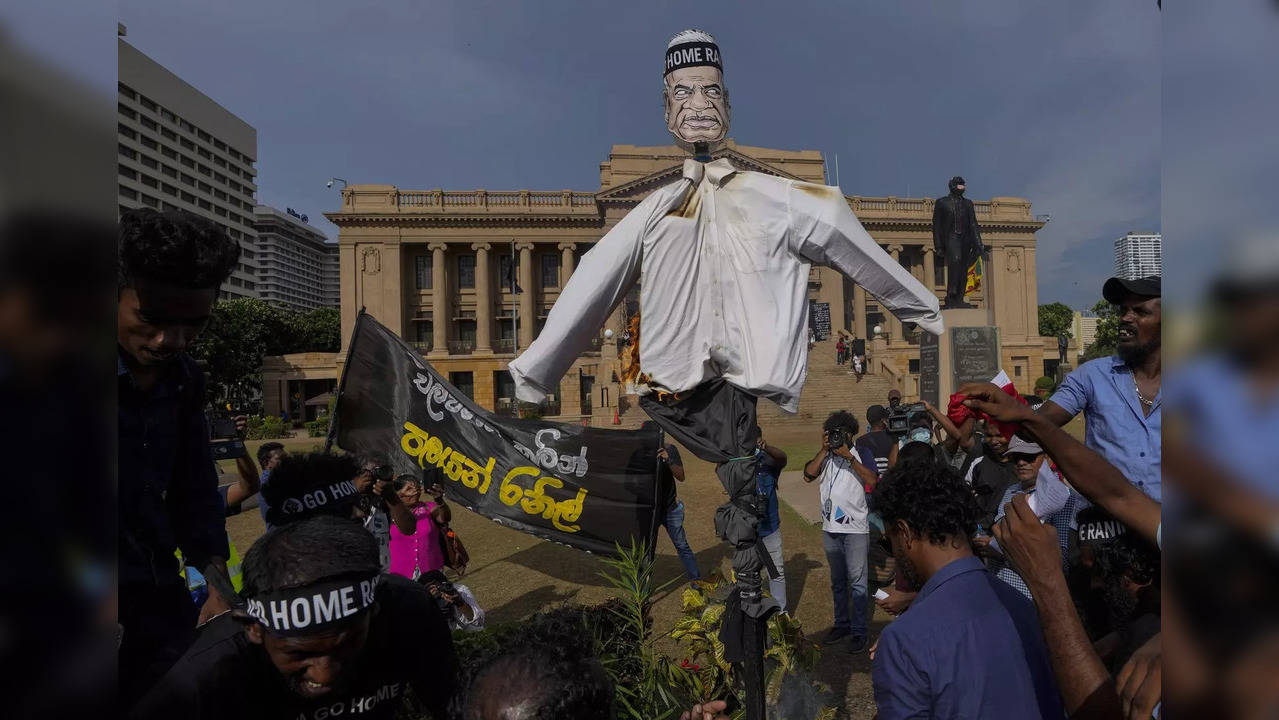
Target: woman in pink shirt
x=419, y=553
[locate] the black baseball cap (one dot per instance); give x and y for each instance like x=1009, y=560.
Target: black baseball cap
x=875, y=413
x=1116, y=289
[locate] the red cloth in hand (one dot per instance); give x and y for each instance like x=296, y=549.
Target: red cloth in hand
x=958, y=412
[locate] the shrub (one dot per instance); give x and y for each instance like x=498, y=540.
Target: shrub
x=318, y=427
x=270, y=427
x=1045, y=383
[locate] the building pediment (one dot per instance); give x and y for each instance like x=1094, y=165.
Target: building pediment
x=636, y=190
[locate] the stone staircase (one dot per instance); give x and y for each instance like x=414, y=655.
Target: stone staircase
x=828, y=387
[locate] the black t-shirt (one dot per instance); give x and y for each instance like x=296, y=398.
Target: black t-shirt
x=224, y=675
x=880, y=443
x=991, y=479
x=666, y=480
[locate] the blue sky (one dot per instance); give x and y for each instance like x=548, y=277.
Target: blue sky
x=1056, y=102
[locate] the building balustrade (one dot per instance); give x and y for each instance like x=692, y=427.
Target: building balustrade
x=504, y=345
x=422, y=346
x=525, y=201
x=461, y=347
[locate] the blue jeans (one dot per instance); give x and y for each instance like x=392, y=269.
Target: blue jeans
x=846, y=553
x=675, y=528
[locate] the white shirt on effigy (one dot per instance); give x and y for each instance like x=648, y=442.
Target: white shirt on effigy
x=723, y=270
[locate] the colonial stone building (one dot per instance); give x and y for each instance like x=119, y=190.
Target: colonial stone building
x=468, y=277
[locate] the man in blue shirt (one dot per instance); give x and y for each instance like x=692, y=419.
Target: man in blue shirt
x=170, y=266
x=771, y=462
x=269, y=456
x=1120, y=395
x=969, y=646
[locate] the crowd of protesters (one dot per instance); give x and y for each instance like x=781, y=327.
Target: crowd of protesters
x=1025, y=563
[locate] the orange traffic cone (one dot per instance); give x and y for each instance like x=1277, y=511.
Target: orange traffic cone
x=617, y=419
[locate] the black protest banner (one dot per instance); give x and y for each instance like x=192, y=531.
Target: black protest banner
x=585, y=487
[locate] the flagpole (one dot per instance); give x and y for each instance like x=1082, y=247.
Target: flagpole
x=515, y=303
x=346, y=366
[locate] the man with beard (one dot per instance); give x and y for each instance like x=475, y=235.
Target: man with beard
x=1120, y=395
x=970, y=646
x=1122, y=604
x=325, y=634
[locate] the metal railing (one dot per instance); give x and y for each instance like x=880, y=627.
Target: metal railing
x=461, y=347
x=422, y=346
x=504, y=345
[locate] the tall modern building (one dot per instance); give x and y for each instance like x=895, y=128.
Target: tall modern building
x=1139, y=255
x=297, y=264
x=181, y=150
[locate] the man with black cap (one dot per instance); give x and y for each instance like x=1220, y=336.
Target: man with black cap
x=1120, y=395
x=876, y=441
x=957, y=239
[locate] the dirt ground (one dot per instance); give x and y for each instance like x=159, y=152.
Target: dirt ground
x=514, y=575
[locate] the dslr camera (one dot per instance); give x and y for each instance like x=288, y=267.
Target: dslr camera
x=902, y=418
x=838, y=437
x=224, y=441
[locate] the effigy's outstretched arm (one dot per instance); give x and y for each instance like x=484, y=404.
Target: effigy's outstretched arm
x=600, y=281
x=825, y=231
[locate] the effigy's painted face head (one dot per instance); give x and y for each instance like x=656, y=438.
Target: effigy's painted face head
x=697, y=108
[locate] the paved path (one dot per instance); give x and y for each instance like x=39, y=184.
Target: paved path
x=805, y=498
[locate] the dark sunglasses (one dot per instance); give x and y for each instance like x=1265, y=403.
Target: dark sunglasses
x=1015, y=458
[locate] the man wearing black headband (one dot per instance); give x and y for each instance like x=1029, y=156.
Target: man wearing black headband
x=324, y=634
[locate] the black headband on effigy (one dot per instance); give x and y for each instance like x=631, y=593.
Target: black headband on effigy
x=313, y=608
x=335, y=495
x=692, y=54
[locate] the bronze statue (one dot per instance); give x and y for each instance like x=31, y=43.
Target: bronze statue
x=956, y=240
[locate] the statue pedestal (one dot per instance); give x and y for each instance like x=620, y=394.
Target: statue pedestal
x=968, y=351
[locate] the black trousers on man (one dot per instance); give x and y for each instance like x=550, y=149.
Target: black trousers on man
x=958, y=256
x=158, y=623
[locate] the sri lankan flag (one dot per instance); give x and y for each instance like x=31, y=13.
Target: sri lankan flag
x=974, y=277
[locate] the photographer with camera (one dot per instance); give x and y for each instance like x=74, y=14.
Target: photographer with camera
x=379, y=505
x=456, y=601
x=845, y=527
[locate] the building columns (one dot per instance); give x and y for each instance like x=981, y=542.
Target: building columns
x=566, y=262
x=483, y=300
x=894, y=324
x=859, y=312
x=439, y=303
x=930, y=270
x=528, y=321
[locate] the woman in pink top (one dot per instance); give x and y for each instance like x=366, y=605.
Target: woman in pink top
x=419, y=553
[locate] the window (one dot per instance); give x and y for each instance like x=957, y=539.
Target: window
x=167, y=133
x=219, y=194
x=219, y=162
x=204, y=153
x=126, y=172
x=148, y=104
x=188, y=197
x=170, y=190
x=503, y=387
x=205, y=187
x=188, y=180
x=422, y=271
x=149, y=143
x=204, y=135
x=914, y=366
x=168, y=152
x=186, y=143
x=148, y=123
x=219, y=176
x=169, y=171
x=550, y=270
x=149, y=162
x=128, y=152
x=464, y=382
x=168, y=116
x=126, y=91
x=149, y=181
x=466, y=271
x=125, y=131
x=506, y=272
x=203, y=170
x=205, y=204
x=148, y=200
x=219, y=144
x=127, y=112
x=188, y=162
x=128, y=193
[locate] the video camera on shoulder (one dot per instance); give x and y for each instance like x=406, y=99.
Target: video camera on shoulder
x=902, y=418
x=224, y=441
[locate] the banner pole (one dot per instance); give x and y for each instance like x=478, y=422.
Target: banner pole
x=337, y=402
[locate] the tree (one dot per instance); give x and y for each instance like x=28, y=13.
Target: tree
x=1055, y=320
x=1107, y=331
x=243, y=331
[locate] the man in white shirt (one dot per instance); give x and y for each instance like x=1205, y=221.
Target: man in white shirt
x=845, y=529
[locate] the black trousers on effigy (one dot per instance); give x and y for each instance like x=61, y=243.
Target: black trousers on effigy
x=716, y=422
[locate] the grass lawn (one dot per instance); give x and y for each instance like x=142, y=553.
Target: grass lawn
x=514, y=575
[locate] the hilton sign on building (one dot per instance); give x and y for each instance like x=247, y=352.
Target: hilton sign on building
x=439, y=266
